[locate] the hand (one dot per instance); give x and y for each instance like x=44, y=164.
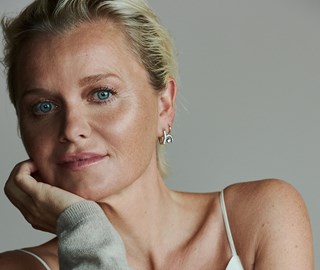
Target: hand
x=40, y=203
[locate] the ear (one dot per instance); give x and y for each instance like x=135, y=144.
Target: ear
x=166, y=106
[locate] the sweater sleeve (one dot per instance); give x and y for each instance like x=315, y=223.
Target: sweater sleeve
x=87, y=240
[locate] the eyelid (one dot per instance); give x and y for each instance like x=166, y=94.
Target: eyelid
x=101, y=89
x=107, y=89
x=37, y=113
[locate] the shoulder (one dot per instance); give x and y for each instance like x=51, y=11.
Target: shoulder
x=266, y=198
x=255, y=204
x=272, y=214
x=17, y=259
x=265, y=192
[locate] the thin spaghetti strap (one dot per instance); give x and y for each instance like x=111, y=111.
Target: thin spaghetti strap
x=37, y=257
x=226, y=223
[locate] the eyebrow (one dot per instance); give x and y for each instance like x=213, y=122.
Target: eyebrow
x=89, y=80
x=95, y=78
x=34, y=91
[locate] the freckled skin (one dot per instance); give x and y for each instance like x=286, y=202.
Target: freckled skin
x=267, y=218
x=125, y=127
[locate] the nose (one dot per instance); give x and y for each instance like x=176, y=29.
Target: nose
x=75, y=126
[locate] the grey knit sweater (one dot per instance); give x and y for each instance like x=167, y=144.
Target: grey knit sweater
x=87, y=240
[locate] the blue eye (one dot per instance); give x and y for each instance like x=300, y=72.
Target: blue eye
x=43, y=107
x=102, y=95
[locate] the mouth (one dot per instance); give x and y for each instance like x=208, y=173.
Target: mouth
x=81, y=161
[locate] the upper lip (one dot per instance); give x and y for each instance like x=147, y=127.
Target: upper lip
x=69, y=158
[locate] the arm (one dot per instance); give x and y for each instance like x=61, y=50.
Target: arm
x=87, y=239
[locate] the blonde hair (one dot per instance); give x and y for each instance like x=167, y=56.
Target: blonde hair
x=148, y=39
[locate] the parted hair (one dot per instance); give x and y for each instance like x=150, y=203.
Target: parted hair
x=148, y=39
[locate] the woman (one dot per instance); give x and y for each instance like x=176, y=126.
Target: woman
x=94, y=86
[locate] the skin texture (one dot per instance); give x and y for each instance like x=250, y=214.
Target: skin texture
x=119, y=129
x=268, y=218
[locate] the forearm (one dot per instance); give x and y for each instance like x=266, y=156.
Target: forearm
x=87, y=240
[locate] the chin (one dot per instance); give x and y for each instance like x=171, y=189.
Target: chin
x=93, y=191
x=89, y=184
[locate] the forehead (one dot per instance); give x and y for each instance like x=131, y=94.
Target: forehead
x=89, y=45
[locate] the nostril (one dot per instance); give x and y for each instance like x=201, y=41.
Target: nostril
x=74, y=127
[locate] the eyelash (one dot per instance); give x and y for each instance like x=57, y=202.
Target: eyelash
x=110, y=91
x=36, y=106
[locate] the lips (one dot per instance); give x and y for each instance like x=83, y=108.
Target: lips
x=77, y=162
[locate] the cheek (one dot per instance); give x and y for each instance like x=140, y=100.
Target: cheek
x=38, y=140
x=135, y=116
x=40, y=145
x=136, y=120
x=133, y=132
x=129, y=131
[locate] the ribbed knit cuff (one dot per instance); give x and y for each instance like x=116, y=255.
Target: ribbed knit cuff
x=77, y=213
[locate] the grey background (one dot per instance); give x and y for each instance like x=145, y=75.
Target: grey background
x=248, y=106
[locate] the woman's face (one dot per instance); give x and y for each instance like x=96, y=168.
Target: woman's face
x=89, y=118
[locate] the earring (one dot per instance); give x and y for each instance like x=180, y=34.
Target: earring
x=18, y=131
x=166, y=138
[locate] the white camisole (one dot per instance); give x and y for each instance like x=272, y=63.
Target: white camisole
x=234, y=263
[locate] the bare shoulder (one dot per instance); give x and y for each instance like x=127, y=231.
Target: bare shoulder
x=267, y=191
x=17, y=259
x=272, y=214
x=272, y=199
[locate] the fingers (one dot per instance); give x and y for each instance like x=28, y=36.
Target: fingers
x=27, y=167
x=40, y=203
x=16, y=188
x=13, y=192
x=19, y=172
x=22, y=190
x=17, y=196
x=24, y=179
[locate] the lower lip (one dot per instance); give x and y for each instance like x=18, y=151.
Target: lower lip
x=82, y=164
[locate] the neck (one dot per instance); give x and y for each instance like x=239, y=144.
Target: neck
x=143, y=213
